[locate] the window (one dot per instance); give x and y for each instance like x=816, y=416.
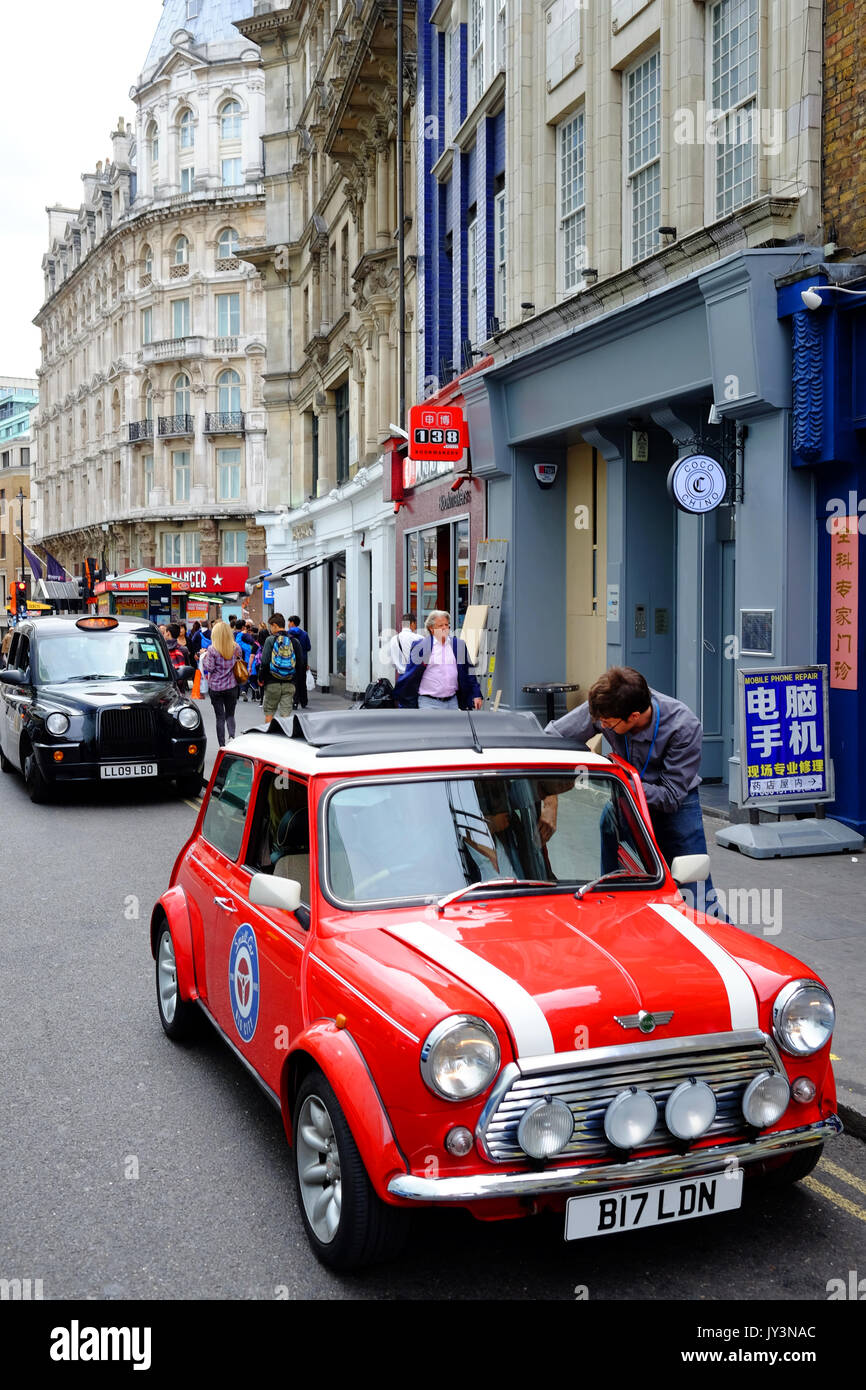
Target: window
x=572, y=201
x=147, y=261
x=227, y=245
x=230, y=121
x=186, y=176
x=148, y=476
x=231, y=172
x=148, y=401
x=180, y=471
x=341, y=410
x=476, y=51
x=226, y=814
x=180, y=318
x=474, y=271
x=180, y=251
x=25, y=458
x=153, y=142
x=228, y=475
x=181, y=395
x=192, y=8
x=181, y=548
x=734, y=91
x=228, y=315
x=500, y=269
x=228, y=393
x=279, y=841
x=642, y=157
x=499, y=28
x=234, y=548
x=186, y=131
x=147, y=325
x=451, y=114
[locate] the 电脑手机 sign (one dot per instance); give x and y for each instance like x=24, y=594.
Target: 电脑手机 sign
x=784, y=737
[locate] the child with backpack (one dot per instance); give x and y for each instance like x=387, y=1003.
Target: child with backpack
x=282, y=663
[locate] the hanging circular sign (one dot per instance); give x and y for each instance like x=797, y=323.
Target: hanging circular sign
x=697, y=483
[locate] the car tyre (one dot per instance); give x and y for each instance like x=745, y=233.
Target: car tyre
x=189, y=785
x=178, y=1017
x=347, y=1224
x=792, y=1169
x=5, y=764
x=37, y=787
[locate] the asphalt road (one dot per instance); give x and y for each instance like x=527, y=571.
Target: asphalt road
x=134, y=1168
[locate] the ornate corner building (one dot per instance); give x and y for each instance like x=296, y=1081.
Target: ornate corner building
x=151, y=422
x=330, y=271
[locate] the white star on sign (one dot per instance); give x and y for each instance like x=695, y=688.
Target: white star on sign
x=217, y=579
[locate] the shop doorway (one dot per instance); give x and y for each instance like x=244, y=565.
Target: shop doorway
x=437, y=571
x=337, y=623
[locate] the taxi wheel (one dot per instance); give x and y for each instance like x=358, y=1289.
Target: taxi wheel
x=5, y=764
x=347, y=1225
x=189, y=786
x=35, y=783
x=177, y=1016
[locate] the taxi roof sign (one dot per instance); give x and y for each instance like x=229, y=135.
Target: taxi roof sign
x=89, y=624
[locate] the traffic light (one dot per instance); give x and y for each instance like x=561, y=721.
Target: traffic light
x=89, y=575
x=19, y=596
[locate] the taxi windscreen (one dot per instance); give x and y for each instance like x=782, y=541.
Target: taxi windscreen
x=111, y=654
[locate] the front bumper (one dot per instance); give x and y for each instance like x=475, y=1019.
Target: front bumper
x=578, y=1180
x=79, y=764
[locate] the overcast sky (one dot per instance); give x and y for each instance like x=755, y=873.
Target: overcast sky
x=66, y=79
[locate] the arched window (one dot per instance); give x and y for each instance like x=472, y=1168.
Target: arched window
x=227, y=244
x=180, y=251
x=230, y=120
x=147, y=260
x=181, y=395
x=148, y=401
x=153, y=142
x=228, y=393
x=186, y=130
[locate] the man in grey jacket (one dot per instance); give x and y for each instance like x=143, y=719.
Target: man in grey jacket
x=662, y=738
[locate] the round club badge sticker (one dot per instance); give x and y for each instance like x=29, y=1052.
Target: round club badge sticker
x=244, y=981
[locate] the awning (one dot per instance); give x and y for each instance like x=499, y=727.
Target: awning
x=299, y=567
x=58, y=588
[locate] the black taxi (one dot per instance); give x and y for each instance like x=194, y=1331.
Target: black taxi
x=97, y=699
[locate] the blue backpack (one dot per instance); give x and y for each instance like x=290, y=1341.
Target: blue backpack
x=283, y=660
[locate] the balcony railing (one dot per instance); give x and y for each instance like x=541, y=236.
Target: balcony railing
x=140, y=429
x=225, y=345
x=175, y=425
x=172, y=349
x=224, y=422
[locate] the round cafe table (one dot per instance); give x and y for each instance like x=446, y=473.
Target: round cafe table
x=549, y=689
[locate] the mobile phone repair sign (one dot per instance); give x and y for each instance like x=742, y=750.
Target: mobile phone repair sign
x=784, y=736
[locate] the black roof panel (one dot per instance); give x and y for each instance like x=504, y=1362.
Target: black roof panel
x=351, y=733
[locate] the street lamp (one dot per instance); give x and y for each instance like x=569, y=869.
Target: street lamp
x=20, y=500
x=812, y=298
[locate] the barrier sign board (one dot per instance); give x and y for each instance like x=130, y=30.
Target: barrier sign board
x=784, y=736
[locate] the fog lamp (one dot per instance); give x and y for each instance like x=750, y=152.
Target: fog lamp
x=766, y=1099
x=458, y=1141
x=690, y=1110
x=192, y=748
x=545, y=1129
x=58, y=757
x=803, y=1090
x=630, y=1118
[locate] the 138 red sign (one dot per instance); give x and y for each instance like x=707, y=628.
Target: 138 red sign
x=437, y=432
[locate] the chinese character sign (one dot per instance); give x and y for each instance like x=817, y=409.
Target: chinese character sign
x=843, y=603
x=784, y=744
x=436, y=432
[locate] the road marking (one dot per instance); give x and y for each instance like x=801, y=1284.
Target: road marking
x=843, y=1173
x=196, y=805
x=843, y=1202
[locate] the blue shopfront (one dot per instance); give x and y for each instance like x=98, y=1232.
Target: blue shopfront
x=603, y=569
x=829, y=446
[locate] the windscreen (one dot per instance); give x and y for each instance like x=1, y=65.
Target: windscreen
x=429, y=837
x=114, y=654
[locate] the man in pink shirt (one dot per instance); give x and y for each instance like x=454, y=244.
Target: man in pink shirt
x=439, y=674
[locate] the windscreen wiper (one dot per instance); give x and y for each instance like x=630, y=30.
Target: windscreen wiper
x=491, y=883
x=594, y=882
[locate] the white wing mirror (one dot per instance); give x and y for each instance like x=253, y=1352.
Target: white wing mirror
x=687, y=868
x=267, y=891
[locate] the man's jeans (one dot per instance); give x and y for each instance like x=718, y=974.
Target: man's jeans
x=682, y=832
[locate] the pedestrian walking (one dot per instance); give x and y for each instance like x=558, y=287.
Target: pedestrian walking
x=663, y=739
x=282, y=657
x=218, y=666
x=439, y=674
x=295, y=630
x=402, y=643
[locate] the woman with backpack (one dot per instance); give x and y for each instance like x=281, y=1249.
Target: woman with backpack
x=218, y=665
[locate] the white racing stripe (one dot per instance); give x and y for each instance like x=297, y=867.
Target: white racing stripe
x=741, y=995
x=520, y=1011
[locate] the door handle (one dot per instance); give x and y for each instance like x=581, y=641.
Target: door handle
x=226, y=904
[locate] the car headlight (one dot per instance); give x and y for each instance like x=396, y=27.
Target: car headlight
x=460, y=1057
x=188, y=717
x=803, y=1017
x=766, y=1099
x=57, y=723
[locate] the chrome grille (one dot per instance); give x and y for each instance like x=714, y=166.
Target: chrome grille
x=588, y=1088
x=127, y=733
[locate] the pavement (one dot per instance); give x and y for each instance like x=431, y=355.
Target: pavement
x=812, y=907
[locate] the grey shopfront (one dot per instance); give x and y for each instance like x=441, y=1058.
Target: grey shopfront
x=614, y=401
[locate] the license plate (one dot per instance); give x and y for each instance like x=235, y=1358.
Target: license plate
x=128, y=770
x=605, y=1213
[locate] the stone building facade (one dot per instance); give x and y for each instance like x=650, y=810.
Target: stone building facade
x=330, y=271
x=151, y=423
x=17, y=458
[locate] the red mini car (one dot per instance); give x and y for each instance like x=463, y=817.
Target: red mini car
x=448, y=948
